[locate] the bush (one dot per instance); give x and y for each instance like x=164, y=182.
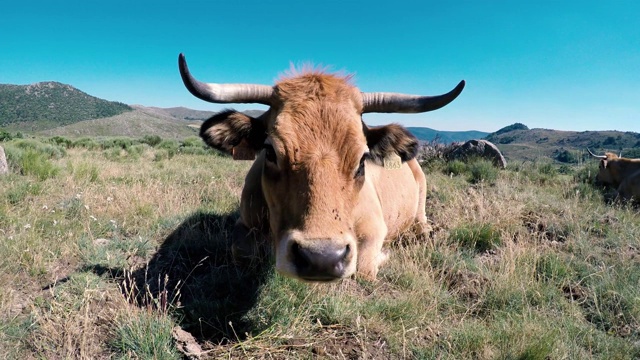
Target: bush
x=482, y=171
x=193, y=141
x=5, y=136
x=61, y=141
x=18, y=193
x=36, y=164
x=455, y=167
x=47, y=150
x=151, y=140
x=546, y=168
x=566, y=156
x=479, y=237
x=118, y=143
x=86, y=143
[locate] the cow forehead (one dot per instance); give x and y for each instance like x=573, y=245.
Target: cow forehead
x=317, y=113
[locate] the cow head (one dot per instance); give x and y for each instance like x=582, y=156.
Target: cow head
x=608, y=169
x=314, y=148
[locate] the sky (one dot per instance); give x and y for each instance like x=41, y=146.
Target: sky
x=564, y=65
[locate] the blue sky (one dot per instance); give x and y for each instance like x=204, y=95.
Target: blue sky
x=566, y=65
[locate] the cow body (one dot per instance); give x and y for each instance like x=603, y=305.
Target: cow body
x=623, y=174
x=325, y=190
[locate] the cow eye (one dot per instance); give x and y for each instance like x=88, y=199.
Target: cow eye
x=360, y=171
x=270, y=154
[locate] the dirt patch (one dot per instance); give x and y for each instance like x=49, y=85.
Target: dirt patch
x=575, y=292
x=326, y=342
x=543, y=229
x=465, y=284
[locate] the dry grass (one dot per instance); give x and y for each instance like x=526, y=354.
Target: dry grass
x=104, y=257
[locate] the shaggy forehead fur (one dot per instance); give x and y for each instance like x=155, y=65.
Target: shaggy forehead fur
x=318, y=118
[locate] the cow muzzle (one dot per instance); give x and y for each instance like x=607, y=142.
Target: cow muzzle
x=316, y=259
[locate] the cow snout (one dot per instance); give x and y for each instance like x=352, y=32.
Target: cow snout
x=320, y=263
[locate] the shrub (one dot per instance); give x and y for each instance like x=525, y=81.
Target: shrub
x=117, y=143
x=34, y=163
x=47, y=150
x=455, y=167
x=145, y=335
x=61, y=141
x=546, y=168
x=479, y=237
x=482, y=171
x=151, y=140
x=18, y=193
x=586, y=174
x=566, y=156
x=86, y=143
x=193, y=141
x=5, y=136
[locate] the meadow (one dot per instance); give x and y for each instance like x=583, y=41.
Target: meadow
x=119, y=248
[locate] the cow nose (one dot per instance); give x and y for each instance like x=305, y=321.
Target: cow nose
x=325, y=263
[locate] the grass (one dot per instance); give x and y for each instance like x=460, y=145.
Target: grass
x=128, y=240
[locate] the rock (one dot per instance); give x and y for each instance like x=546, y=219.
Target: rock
x=478, y=148
x=4, y=167
x=186, y=344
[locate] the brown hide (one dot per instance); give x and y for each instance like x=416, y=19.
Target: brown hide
x=621, y=173
x=325, y=190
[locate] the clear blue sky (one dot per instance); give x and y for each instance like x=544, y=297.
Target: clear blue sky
x=567, y=65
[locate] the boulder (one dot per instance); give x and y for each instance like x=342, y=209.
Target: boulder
x=4, y=167
x=478, y=148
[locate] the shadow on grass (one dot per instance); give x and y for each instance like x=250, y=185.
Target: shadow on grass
x=192, y=275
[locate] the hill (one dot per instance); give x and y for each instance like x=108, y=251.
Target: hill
x=428, y=134
x=47, y=105
x=531, y=144
x=139, y=122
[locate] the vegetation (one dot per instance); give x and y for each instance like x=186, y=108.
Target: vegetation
x=512, y=127
x=51, y=104
x=124, y=247
x=563, y=146
x=428, y=134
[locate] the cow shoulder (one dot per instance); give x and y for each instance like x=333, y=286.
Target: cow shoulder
x=387, y=140
x=229, y=128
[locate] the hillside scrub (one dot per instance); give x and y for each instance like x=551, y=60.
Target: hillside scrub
x=125, y=243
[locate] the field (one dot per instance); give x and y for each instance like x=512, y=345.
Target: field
x=118, y=248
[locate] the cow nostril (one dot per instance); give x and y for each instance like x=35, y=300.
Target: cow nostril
x=347, y=250
x=300, y=259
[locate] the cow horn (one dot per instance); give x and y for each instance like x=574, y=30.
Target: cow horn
x=381, y=102
x=597, y=156
x=224, y=93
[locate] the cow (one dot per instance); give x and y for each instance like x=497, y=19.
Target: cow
x=623, y=174
x=325, y=190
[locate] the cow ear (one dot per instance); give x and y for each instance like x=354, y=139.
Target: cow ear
x=231, y=131
x=385, y=141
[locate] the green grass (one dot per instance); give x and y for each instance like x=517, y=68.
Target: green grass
x=105, y=257
x=144, y=335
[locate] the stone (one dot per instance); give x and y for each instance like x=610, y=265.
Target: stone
x=4, y=167
x=478, y=148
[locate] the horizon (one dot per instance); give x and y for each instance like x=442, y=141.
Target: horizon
x=569, y=66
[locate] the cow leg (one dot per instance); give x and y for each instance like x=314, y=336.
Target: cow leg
x=370, y=254
x=421, y=225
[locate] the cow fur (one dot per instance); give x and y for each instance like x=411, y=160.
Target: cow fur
x=307, y=188
x=621, y=173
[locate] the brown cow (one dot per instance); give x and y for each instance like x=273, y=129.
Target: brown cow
x=326, y=189
x=621, y=173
